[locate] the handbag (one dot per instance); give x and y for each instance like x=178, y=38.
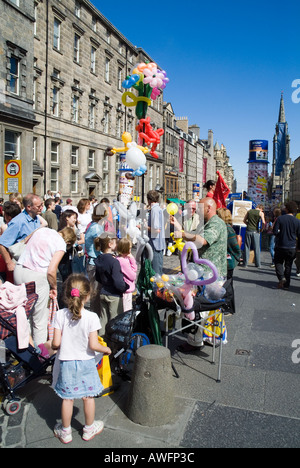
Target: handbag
x=17, y=249
x=53, y=308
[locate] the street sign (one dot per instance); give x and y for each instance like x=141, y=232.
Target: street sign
x=12, y=176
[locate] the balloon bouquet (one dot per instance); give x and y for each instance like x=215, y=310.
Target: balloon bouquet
x=149, y=82
x=183, y=287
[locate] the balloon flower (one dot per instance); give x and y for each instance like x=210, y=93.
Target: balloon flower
x=135, y=154
x=149, y=81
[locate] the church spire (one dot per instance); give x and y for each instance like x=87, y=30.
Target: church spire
x=281, y=118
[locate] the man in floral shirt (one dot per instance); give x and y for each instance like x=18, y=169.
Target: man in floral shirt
x=211, y=241
x=210, y=238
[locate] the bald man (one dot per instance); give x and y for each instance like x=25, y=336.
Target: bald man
x=211, y=241
x=210, y=237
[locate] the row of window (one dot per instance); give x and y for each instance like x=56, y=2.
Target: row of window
x=12, y=151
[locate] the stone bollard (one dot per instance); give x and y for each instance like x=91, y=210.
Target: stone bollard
x=151, y=395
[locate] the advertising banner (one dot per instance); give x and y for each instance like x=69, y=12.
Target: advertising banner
x=126, y=186
x=258, y=171
x=258, y=151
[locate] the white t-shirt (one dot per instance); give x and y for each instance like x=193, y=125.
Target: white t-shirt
x=84, y=220
x=75, y=334
x=40, y=249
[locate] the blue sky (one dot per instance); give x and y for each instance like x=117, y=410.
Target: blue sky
x=228, y=63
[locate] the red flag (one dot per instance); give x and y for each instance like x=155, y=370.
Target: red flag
x=221, y=192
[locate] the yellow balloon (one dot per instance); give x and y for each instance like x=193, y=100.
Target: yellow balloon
x=172, y=209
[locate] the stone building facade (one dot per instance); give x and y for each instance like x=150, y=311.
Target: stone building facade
x=62, y=64
x=80, y=63
x=17, y=118
x=295, y=182
x=223, y=165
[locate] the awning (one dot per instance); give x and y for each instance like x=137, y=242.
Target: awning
x=36, y=168
x=92, y=177
x=177, y=201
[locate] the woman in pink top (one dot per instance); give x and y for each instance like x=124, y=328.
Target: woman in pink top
x=129, y=270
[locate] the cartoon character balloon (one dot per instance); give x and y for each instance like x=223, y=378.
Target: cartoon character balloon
x=135, y=154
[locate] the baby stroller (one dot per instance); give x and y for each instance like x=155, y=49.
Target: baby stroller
x=124, y=341
x=18, y=367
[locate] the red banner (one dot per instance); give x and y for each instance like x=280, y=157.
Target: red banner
x=181, y=155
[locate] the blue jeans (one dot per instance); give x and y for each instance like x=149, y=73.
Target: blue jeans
x=272, y=247
x=252, y=238
x=158, y=260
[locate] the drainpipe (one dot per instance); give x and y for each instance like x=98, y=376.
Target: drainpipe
x=46, y=97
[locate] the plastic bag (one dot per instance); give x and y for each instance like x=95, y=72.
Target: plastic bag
x=104, y=372
x=213, y=324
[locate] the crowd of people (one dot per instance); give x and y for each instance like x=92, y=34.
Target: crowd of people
x=81, y=243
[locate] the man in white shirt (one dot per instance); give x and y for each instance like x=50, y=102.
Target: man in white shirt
x=69, y=206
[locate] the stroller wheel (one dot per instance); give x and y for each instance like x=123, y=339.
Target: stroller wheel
x=12, y=407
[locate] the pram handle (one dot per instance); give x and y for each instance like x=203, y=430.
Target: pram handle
x=199, y=261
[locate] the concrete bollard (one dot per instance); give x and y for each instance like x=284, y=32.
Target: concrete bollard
x=151, y=395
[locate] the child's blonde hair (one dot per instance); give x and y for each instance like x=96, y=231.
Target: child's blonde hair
x=124, y=246
x=76, y=290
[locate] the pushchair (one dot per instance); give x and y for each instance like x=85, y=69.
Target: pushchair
x=19, y=366
x=124, y=340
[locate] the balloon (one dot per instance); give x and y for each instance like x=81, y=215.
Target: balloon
x=149, y=135
x=155, y=94
x=135, y=158
x=194, y=272
x=134, y=99
x=143, y=244
x=153, y=77
x=172, y=209
x=175, y=285
x=142, y=66
x=214, y=292
x=199, y=261
x=131, y=81
x=178, y=244
x=135, y=154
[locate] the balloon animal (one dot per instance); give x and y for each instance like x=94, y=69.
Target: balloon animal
x=178, y=244
x=135, y=154
x=129, y=218
x=149, y=135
